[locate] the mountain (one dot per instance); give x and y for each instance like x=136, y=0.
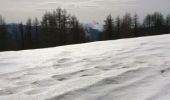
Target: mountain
x=126, y=69
x=92, y=34
x=92, y=30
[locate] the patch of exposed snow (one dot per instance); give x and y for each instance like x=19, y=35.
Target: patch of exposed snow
x=126, y=69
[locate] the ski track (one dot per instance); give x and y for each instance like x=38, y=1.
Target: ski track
x=127, y=69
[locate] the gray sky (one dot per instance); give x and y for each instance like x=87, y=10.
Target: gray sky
x=85, y=10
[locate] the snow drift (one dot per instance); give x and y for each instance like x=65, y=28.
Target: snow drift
x=127, y=69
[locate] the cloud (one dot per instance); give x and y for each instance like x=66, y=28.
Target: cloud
x=84, y=9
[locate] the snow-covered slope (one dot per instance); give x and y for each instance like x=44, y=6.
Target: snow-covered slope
x=129, y=69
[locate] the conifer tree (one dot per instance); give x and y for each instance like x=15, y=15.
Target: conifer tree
x=3, y=34
x=29, y=34
x=36, y=32
x=108, y=29
x=167, y=22
x=21, y=30
x=135, y=25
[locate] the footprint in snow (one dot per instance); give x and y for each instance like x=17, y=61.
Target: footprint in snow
x=80, y=73
x=6, y=92
x=34, y=91
x=44, y=83
x=60, y=77
x=11, y=90
x=64, y=60
x=165, y=72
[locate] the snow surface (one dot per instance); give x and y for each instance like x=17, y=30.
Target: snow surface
x=127, y=69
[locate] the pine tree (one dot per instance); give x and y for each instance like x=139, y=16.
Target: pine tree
x=126, y=26
x=118, y=27
x=36, y=32
x=3, y=34
x=29, y=34
x=108, y=28
x=76, y=31
x=45, y=36
x=148, y=24
x=21, y=30
x=168, y=23
x=158, y=22
x=135, y=25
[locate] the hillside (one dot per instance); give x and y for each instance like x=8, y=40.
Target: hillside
x=127, y=69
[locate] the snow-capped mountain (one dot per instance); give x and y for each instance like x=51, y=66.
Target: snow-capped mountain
x=126, y=69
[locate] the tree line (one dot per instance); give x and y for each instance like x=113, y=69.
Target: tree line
x=129, y=26
x=60, y=28
x=54, y=29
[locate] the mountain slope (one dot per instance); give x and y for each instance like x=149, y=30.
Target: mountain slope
x=92, y=34
x=127, y=69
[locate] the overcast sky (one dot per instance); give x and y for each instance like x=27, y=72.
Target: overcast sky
x=85, y=10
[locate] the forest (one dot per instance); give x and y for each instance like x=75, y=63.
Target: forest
x=59, y=28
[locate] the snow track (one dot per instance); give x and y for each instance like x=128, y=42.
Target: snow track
x=127, y=69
